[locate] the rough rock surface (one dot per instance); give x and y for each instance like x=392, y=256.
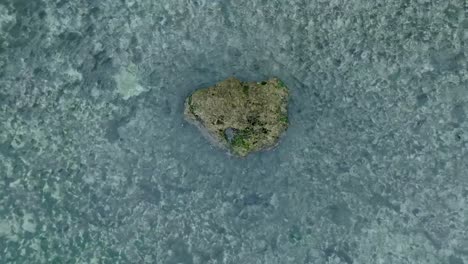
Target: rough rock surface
x=242, y=116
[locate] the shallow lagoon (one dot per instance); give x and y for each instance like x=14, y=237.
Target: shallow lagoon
x=97, y=164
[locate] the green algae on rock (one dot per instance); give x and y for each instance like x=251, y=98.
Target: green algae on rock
x=241, y=116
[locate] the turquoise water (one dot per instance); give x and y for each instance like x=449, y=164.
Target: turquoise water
x=97, y=164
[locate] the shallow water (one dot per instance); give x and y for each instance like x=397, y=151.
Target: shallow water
x=97, y=164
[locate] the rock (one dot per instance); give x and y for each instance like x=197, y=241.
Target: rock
x=241, y=116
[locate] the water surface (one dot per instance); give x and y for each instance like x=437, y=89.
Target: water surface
x=97, y=164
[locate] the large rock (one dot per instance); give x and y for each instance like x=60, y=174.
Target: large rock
x=240, y=116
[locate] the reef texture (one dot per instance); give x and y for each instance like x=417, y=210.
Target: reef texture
x=241, y=116
x=98, y=165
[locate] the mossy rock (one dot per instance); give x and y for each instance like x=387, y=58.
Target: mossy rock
x=241, y=116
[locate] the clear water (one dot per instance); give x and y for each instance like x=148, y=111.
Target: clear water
x=97, y=164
